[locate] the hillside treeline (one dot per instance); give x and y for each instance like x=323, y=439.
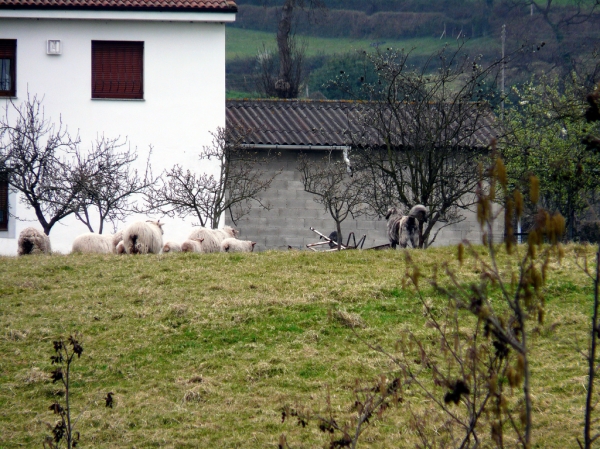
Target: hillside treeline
x=418, y=18
x=358, y=24
x=556, y=43
x=452, y=8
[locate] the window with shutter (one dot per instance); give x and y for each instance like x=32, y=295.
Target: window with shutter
x=8, y=67
x=117, y=69
x=3, y=201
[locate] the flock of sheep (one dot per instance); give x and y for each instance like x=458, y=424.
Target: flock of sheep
x=140, y=238
x=146, y=237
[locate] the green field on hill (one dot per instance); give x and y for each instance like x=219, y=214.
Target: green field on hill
x=242, y=43
x=205, y=350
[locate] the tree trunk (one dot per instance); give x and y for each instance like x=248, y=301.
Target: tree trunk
x=338, y=226
x=589, y=401
x=283, y=85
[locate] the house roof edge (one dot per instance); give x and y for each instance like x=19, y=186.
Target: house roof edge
x=224, y=6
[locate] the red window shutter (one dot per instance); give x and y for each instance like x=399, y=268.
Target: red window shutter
x=3, y=202
x=8, y=51
x=117, y=69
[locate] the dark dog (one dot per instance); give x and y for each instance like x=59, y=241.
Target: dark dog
x=404, y=228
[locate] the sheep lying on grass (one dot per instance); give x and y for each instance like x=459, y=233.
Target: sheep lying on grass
x=213, y=237
x=32, y=241
x=237, y=246
x=120, y=249
x=97, y=243
x=143, y=237
x=192, y=246
x=171, y=247
x=226, y=233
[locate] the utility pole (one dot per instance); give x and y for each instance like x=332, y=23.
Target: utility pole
x=503, y=38
x=503, y=66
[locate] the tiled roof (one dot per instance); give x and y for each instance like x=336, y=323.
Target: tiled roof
x=320, y=122
x=175, y=5
x=292, y=122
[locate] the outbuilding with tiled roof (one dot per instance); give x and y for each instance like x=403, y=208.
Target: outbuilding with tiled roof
x=321, y=130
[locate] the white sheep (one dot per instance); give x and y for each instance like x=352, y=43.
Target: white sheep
x=143, y=237
x=32, y=241
x=192, y=246
x=171, y=247
x=97, y=243
x=213, y=237
x=120, y=249
x=237, y=246
x=226, y=232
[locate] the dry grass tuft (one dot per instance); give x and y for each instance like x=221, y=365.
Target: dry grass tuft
x=193, y=396
x=351, y=320
x=16, y=335
x=34, y=376
x=264, y=370
x=179, y=310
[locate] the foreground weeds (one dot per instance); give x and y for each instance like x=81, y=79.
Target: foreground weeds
x=209, y=350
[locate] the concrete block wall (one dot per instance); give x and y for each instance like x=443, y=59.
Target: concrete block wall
x=292, y=212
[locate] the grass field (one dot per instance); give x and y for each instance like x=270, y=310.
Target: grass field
x=203, y=351
x=242, y=43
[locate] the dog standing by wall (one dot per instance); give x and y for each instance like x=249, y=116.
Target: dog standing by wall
x=404, y=228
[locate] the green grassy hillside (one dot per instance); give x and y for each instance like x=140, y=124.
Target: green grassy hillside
x=242, y=43
x=204, y=351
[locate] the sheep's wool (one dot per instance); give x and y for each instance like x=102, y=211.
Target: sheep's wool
x=213, y=237
x=143, y=237
x=232, y=245
x=96, y=243
x=32, y=241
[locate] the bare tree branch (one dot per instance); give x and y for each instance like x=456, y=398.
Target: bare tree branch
x=238, y=183
x=333, y=187
x=108, y=181
x=35, y=151
x=422, y=133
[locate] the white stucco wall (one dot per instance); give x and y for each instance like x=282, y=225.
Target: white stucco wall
x=184, y=92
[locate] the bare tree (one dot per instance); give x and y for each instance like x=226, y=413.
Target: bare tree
x=108, y=181
x=334, y=187
x=289, y=76
x=423, y=133
x=271, y=81
x=238, y=182
x=35, y=150
x=56, y=178
x=571, y=13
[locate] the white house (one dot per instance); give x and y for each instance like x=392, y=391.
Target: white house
x=176, y=52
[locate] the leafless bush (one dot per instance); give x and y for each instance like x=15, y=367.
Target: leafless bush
x=63, y=359
x=591, y=402
x=473, y=368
